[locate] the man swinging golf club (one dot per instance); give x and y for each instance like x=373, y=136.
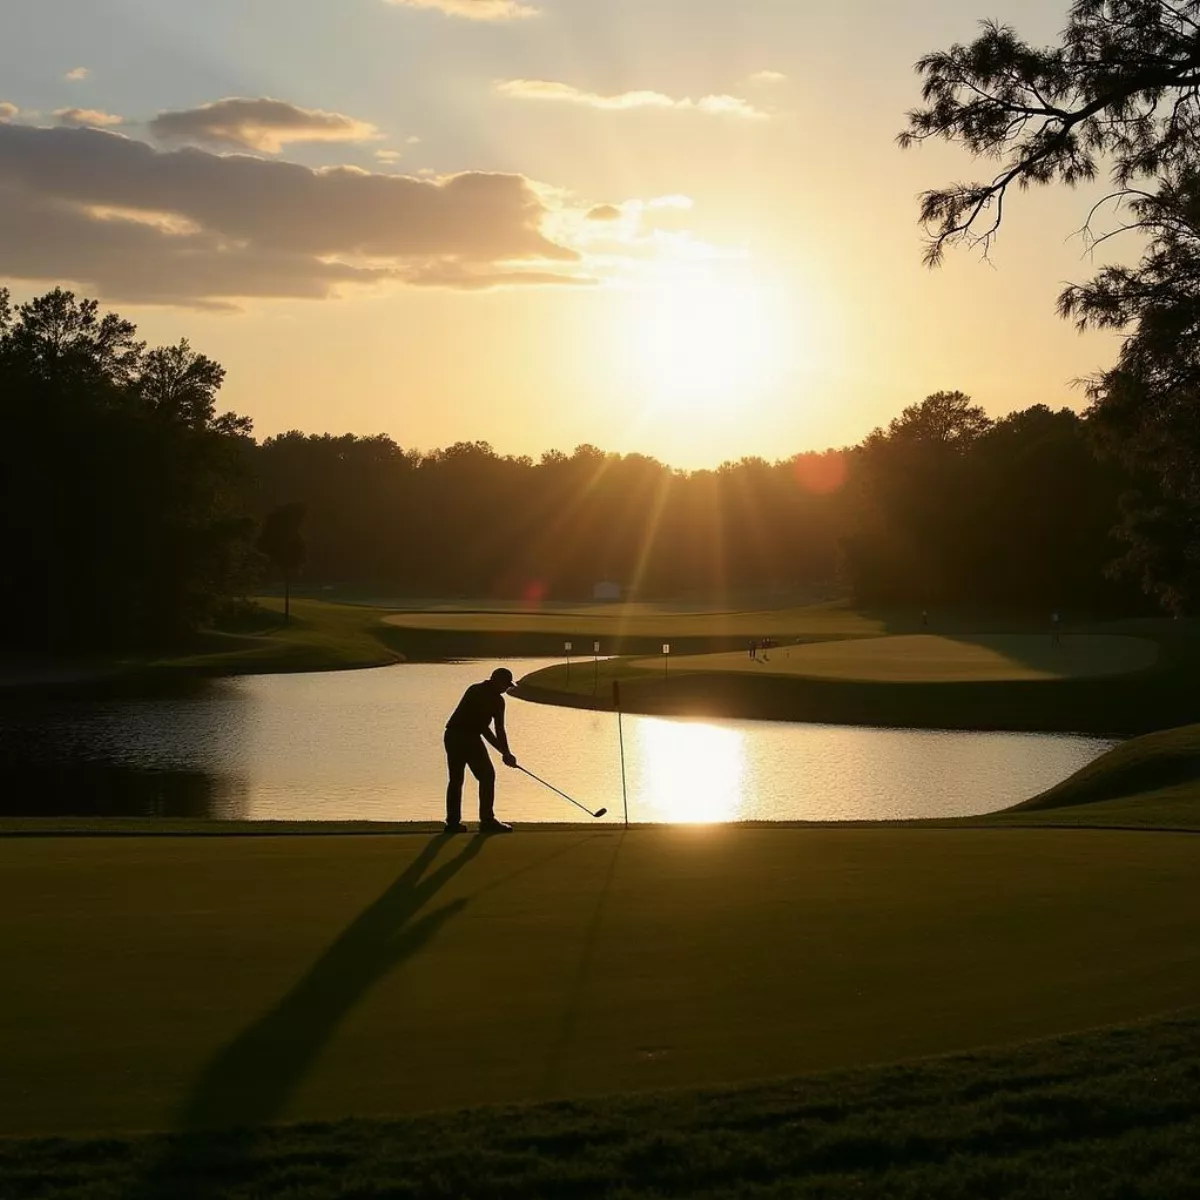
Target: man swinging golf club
x=482, y=705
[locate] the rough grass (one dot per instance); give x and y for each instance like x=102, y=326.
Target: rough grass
x=925, y=658
x=1109, y=1115
x=193, y=982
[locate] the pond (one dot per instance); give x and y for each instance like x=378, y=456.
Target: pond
x=366, y=745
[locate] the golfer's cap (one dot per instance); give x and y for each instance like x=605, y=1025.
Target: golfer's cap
x=503, y=676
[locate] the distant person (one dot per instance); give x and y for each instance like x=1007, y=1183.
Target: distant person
x=924, y=618
x=482, y=705
x=1055, y=629
x=753, y=649
x=766, y=646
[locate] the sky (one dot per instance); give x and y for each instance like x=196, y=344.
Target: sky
x=677, y=227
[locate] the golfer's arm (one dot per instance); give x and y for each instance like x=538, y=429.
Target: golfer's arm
x=500, y=741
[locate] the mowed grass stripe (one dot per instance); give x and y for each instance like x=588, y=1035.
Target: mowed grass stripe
x=152, y=983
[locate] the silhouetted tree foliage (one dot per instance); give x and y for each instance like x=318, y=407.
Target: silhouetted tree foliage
x=132, y=509
x=948, y=507
x=118, y=480
x=282, y=543
x=1121, y=92
x=944, y=506
x=466, y=521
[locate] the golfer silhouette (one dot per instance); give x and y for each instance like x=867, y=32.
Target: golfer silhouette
x=482, y=705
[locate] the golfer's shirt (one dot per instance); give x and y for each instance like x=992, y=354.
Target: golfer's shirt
x=481, y=704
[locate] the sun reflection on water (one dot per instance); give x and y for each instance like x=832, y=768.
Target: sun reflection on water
x=690, y=771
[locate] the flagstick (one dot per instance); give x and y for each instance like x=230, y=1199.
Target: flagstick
x=621, y=735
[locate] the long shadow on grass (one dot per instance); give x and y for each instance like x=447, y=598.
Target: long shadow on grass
x=249, y=1082
x=556, y=1060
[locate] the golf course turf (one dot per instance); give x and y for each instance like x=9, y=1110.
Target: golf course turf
x=1108, y=1115
x=1106, y=684
x=924, y=658
x=173, y=1005
x=198, y=982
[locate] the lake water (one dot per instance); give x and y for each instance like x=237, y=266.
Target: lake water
x=366, y=745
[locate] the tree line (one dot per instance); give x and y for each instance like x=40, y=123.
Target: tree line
x=945, y=506
x=134, y=510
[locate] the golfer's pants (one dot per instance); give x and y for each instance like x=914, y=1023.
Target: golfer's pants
x=468, y=750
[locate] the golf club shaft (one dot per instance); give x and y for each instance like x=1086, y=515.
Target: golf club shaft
x=554, y=789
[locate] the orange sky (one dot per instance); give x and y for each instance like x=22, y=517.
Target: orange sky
x=674, y=226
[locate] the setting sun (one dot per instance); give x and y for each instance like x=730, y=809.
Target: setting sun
x=704, y=340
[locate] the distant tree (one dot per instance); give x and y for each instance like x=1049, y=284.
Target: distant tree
x=946, y=506
x=119, y=509
x=1121, y=92
x=281, y=541
x=945, y=419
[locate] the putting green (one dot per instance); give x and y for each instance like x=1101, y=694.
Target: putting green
x=152, y=982
x=925, y=658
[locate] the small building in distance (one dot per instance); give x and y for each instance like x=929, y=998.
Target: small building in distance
x=607, y=590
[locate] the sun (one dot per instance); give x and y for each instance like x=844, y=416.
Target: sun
x=704, y=340
x=689, y=772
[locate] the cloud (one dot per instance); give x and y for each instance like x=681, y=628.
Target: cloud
x=767, y=77
x=604, y=212
x=7, y=111
x=475, y=10
x=77, y=74
x=673, y=201
x=258, y=124
x=388, y=156
x=188, y=226
x=564, y=93
x=87, y=116
x=453, y=275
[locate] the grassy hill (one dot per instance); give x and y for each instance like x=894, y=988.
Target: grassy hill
x=1151, y=781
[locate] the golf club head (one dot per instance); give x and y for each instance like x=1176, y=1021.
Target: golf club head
x=600, y=812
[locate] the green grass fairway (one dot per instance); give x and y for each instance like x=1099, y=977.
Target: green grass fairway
x=925, y=658
x=187, y=982
x=647, y=621
x=492, y=629
x=319, y=637
x=1106, y=681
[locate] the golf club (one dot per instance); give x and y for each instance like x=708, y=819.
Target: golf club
x=598, y=813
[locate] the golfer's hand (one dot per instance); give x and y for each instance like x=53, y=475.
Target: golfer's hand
x=510, y=760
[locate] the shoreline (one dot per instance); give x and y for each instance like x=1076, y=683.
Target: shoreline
x=323, y=636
